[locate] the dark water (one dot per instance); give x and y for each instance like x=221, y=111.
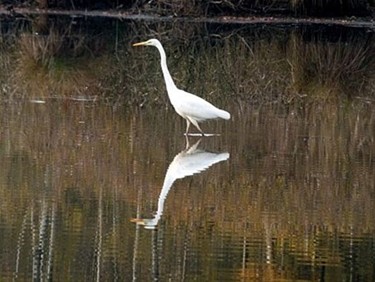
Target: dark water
x=100, y=190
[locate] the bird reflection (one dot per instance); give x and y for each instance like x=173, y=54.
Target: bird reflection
x=188, y=162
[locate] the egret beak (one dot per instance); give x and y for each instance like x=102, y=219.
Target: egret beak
x=140, y=44
x=139, y=221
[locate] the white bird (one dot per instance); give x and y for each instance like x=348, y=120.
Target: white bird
x=192, y=108
x=188, y=162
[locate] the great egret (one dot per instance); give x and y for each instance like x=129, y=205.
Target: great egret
x=192, y=108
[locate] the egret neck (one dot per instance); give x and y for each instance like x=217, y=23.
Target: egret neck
x=169, y=83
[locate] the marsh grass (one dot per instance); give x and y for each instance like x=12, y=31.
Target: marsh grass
x=51, y=65
x=300, y=176
x=4, y=66
x=244, y=69
x=239, y=66
x=331, y=69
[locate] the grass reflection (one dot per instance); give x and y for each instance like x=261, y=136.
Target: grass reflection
x=43, y=70
x=295, y=197
x=297, y=190
x=53, y=64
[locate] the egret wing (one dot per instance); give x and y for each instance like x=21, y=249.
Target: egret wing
x=195, y=107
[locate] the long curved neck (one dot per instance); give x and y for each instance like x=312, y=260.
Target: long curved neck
x=169, y=83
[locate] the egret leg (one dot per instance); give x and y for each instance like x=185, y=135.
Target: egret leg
x=195, y=123
x=187, y=126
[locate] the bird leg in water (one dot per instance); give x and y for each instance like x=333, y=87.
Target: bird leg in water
x=187, y=126
x=195, y=123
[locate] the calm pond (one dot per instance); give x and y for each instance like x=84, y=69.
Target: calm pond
x=98, y=181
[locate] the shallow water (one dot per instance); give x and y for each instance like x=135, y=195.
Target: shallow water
x=278, y=195
x=99, y=182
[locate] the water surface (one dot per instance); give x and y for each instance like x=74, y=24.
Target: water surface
x=288, y=195
x=98, y=181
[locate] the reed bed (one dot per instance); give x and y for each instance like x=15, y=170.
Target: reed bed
x=303, y=150
x=245, y=66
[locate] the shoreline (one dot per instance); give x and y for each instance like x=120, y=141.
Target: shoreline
x=122, y=15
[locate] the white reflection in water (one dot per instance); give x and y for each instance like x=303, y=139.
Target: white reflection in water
x=186, y=163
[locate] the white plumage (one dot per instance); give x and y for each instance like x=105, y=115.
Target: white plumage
x=188, y=162
x=192, y=108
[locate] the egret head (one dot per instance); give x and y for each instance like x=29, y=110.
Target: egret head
x=151, y=42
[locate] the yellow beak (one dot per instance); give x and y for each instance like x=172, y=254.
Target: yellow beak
x=139, y=221
x=139, y=44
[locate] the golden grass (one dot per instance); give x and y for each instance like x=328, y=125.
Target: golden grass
x=249, y=68
x=44, y=70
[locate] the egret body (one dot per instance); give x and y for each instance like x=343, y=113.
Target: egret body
x=192, y=108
